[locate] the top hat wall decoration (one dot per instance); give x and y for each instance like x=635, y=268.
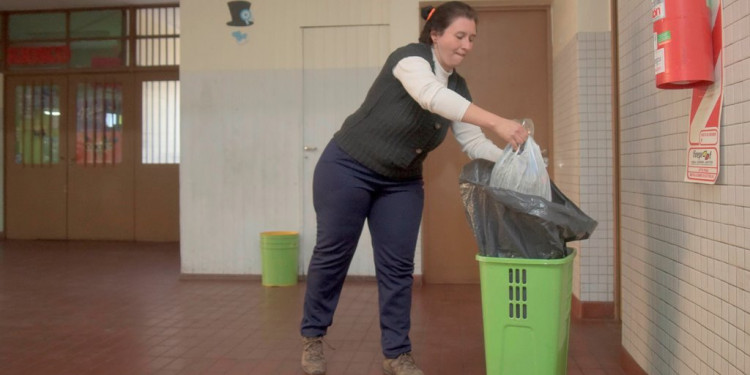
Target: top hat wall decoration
x=240, y=12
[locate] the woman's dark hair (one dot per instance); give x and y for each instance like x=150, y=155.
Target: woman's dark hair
x=443, y=16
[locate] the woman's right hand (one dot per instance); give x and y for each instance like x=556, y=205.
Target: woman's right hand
x=508, y=130
x=511, y=132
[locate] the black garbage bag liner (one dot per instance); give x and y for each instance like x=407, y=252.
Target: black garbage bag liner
x=513, y=225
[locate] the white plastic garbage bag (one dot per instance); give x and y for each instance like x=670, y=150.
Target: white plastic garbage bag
x=522, y=171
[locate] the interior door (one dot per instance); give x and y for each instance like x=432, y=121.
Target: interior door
x=508, y=74
x=36, y=157
x=157, y=168
x=100, y=166
x=339, y=65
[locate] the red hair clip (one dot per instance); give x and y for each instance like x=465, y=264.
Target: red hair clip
x=430, y=14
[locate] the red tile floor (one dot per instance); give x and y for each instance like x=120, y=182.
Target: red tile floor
x=122, y=308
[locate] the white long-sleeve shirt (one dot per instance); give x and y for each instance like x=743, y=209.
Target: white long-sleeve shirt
x=431, y=91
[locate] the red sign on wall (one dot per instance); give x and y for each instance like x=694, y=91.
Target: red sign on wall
x=38, y=55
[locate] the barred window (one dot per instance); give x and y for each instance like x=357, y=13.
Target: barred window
x=37, y=124
x=92, y=39
x=161, y=122
x=99, y=126
x=158, y=36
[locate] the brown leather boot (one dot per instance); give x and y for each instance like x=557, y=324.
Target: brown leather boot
x=313, y=361
x=402, y=365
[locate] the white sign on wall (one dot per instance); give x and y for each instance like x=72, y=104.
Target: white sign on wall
x=705, y=113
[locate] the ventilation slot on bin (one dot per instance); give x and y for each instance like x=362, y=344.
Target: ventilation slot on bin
x=517, y=293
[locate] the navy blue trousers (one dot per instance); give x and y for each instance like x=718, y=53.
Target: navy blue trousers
x=345, y=193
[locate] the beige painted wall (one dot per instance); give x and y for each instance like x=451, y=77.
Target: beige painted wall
x=242, y=121
x=242, y=114
x=275, y=39
x=570, y=17
x=594, y=15
x=564, y=24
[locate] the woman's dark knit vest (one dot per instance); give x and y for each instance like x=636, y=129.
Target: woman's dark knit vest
x=390, y=133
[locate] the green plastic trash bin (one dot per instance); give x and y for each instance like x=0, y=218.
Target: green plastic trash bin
x=526, y=314
x=279, y=253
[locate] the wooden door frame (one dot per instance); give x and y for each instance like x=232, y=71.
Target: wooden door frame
x=517, y=5
x=616, y=234
x=498, y=6
x=153, y=182
x=505, y=7
x=132, y=107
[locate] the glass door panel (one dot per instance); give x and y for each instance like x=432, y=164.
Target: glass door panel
x=98, y=124
x=35, y=158
x=37, y=123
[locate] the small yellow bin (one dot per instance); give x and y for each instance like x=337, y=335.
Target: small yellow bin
x=279, y=251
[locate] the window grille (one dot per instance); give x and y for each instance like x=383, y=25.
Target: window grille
x=99, y=124
x=91, y=39
x=161, y=122
x=157, y=36
x=37, y=124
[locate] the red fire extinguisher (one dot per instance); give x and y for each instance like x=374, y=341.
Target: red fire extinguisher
x=683, y=51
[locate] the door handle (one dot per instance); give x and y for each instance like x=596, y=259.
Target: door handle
x=309, y=148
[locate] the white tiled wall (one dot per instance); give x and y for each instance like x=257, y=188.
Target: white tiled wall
x=595, y=108
x=685, y=247
x=567, y=130
x=583, y=154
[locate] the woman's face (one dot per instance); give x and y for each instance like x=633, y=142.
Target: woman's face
x=455, y=42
